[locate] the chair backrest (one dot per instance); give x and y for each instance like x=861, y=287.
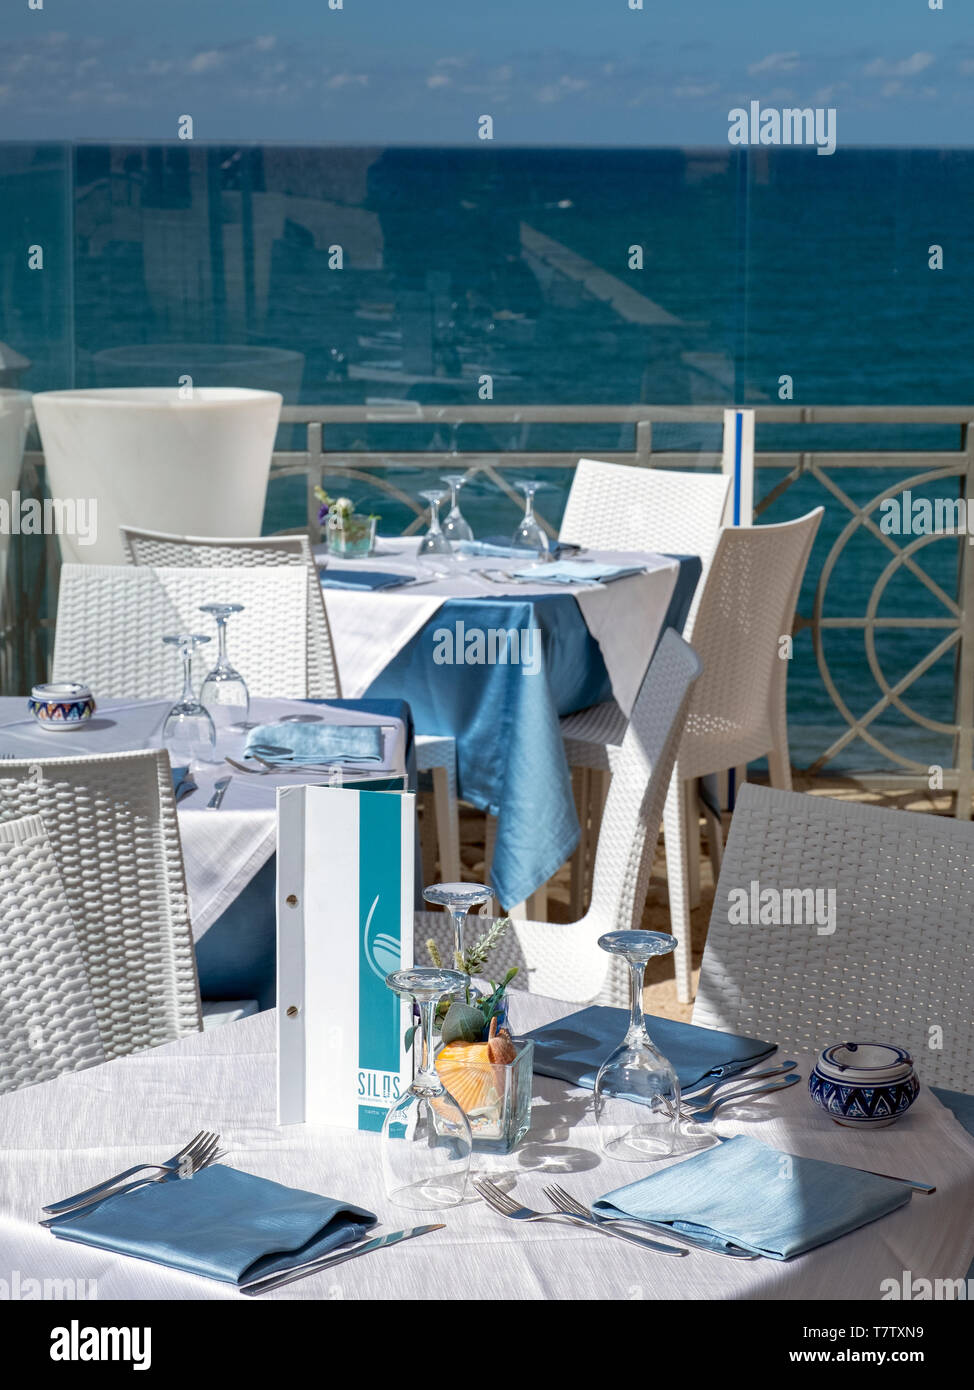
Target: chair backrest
x=112, y=618
x=746, y=605
x=617, y=506
x=48, y=1023
x=111, y=822
x=640, y=778
x=156, y=548
x=898, y=966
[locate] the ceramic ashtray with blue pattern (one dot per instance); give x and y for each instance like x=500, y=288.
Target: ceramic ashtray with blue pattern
x=61, y=705
x=864, y=1085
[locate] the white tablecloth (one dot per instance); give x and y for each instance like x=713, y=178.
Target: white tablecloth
x=64, y=1135
x=223, y=849
x=370, y=627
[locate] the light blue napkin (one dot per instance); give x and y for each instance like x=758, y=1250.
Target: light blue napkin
x=502, y=549
x=308, y=745
x=745, y=1193
x=222, y=1224
x=577, y=572
x=574, y=1048
x=362, y=579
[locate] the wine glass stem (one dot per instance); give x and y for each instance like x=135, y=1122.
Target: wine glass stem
x=529, y=507
x=427, y=1013
x=221, y=627
x=637, y=1021
x=189, y=693
x=434, y=518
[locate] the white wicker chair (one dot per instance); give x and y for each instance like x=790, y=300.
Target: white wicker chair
x=616, y=506
x=112, y=618
x=436, y=754
x=155, y=549
x=565, y=960
x=899, y=966
x=111, y=822
x=48, y=1023
x=737, y=708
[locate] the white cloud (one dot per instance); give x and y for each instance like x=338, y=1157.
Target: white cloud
x=348, y=79
x=908, y=67
x=439, y=79
x=264, y=43
x=696, y=89
x=564, y=87
x=206, y=62
x=775, y=62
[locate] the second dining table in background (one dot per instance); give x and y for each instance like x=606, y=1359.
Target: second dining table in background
x=595, y=645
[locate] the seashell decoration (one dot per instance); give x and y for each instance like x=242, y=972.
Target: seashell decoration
x=466, y=1072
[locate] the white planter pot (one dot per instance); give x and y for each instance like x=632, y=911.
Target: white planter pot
x=196, y=466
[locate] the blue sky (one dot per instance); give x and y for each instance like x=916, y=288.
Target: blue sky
x=565, y=72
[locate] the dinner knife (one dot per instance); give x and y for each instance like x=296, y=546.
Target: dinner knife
x=289, y=1276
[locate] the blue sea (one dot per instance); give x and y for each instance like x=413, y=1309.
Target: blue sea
x=569, y=277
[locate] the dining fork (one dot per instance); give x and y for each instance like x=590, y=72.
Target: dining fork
x=197, y=1143
x=705, y=1114
x=707, y=1093
x=506, y=1206
x=189, y=1165
x=563, y=1201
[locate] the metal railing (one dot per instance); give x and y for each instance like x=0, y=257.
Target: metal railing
x=32, y=588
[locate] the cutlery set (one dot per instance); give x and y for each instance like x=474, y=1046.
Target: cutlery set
x=199, y=1153
x=699, y=1104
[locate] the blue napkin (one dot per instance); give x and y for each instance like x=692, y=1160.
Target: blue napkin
x=222, y=1224
x=743, y=1192
x=577, y=572
x=502, y=549
x=574, y=1048
x=182, y=782
x=362, y=579
x=308, y=745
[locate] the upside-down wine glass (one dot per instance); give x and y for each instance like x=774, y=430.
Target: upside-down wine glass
x=456, y=527
x=458, y=899
x=434, y=542
x=530, y=534
x=637, y=1093
x=188, y=732
x=224, y=691
x=426, y=1139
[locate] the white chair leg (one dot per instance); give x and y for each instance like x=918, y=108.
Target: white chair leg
x=447, y=823
x=427, y=840
x=537, y=905
x=779, y=768
x=693, y=844
x=490, y=839
x=677, y=879
x=578, y=864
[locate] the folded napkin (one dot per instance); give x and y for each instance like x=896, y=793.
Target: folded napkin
x=502, y=549
x=182, y=782
x=577, y=572
x=222, y=1224
x=310, y=744
x=742, y=1192
x=362, y=579
x=574, y=1048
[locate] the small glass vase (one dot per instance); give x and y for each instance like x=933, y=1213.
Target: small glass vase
x=494, y=1096
x=351, y=537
